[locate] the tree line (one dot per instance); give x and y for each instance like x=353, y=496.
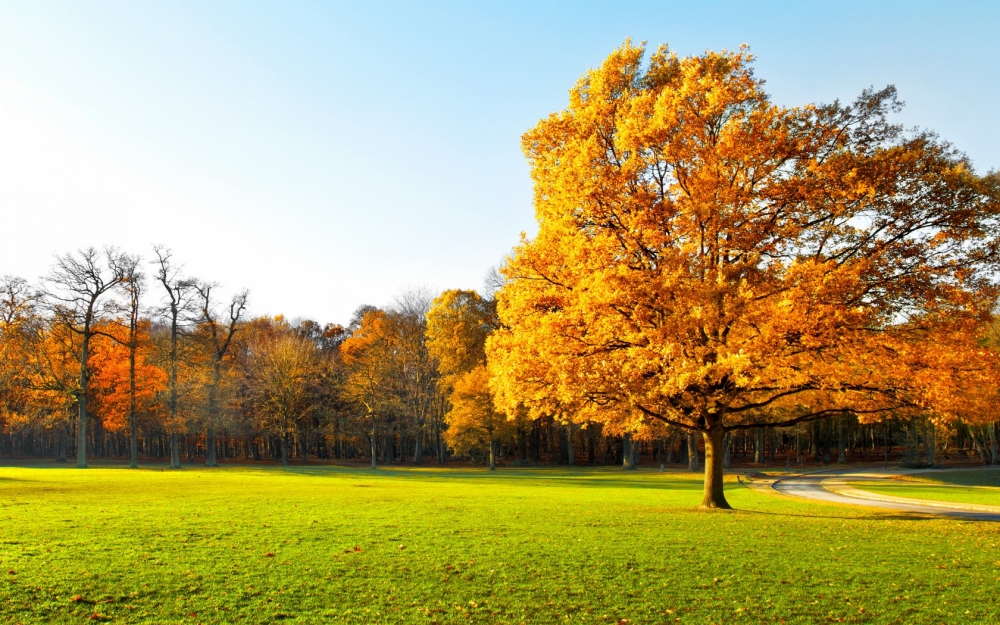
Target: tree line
x=113, y=357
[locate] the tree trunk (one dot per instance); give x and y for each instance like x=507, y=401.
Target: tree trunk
x=493, y=454
x=374, y=451
x=758, y=456
x=81, y=401
x=628, y=460
x=670, y=449
x=133, y=442
x=693, y=454
x=210, y=458
x=841, y=442
x=175, y=452
x=980, y=446
x=726, y=443
x=61, y=451
x=570, y=460
x=284, y=449
x=993, y=443
x=418, y=447
x=929, y=441
x=714, y=495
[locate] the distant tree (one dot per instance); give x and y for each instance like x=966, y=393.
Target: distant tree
x=371, y=380
x=78, y=289
x=458, y=325
x=286, y=370
x=216, y=332
x=417, y=370
x=134, y=284
x=177, y=306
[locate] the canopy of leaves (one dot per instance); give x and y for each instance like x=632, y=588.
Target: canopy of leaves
x=712, y=260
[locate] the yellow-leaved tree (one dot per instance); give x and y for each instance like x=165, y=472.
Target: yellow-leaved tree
x=711, y=260
x=458, y=325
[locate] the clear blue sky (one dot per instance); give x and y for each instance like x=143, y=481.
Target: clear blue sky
x=326, y=155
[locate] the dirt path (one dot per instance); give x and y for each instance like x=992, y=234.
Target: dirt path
x=834, y=487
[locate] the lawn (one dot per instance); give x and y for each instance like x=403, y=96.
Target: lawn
x=340, y=545
x=975, y=486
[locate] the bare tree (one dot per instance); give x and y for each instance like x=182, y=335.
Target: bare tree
x=493, y=281
x=417, y=370
x=133, y=285
x=218, y=329
x=17, y=299
x=178, y=291
x=76, y=289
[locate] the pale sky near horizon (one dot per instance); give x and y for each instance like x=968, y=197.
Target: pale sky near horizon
x=326, y=155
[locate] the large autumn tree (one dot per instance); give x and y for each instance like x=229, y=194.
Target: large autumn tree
x=711, y=260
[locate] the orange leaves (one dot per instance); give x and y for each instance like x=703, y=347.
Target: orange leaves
x=109, y=380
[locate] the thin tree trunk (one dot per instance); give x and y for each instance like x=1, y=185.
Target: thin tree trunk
x=670, y=450
x=628, y=460
x=175, y=451
x=374, y=458
x=693, y=454
x=993, y=443
x=841, y=443
x=418, y=447
x=930, y=442
x=81, y=431
x=570, y=460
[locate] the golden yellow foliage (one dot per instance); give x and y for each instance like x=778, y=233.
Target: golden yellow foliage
x=713, y=261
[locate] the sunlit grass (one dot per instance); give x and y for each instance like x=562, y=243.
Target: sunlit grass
x=313, y=545
x=975, y=486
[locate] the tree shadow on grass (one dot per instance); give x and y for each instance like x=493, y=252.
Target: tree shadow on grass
x=860, y=517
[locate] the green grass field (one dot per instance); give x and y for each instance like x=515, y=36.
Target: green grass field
x=976, y=486
x=337, y=545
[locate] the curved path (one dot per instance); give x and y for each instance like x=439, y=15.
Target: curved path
x=833, y=487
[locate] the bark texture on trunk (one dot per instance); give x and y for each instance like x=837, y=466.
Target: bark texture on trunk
x=714, y=496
